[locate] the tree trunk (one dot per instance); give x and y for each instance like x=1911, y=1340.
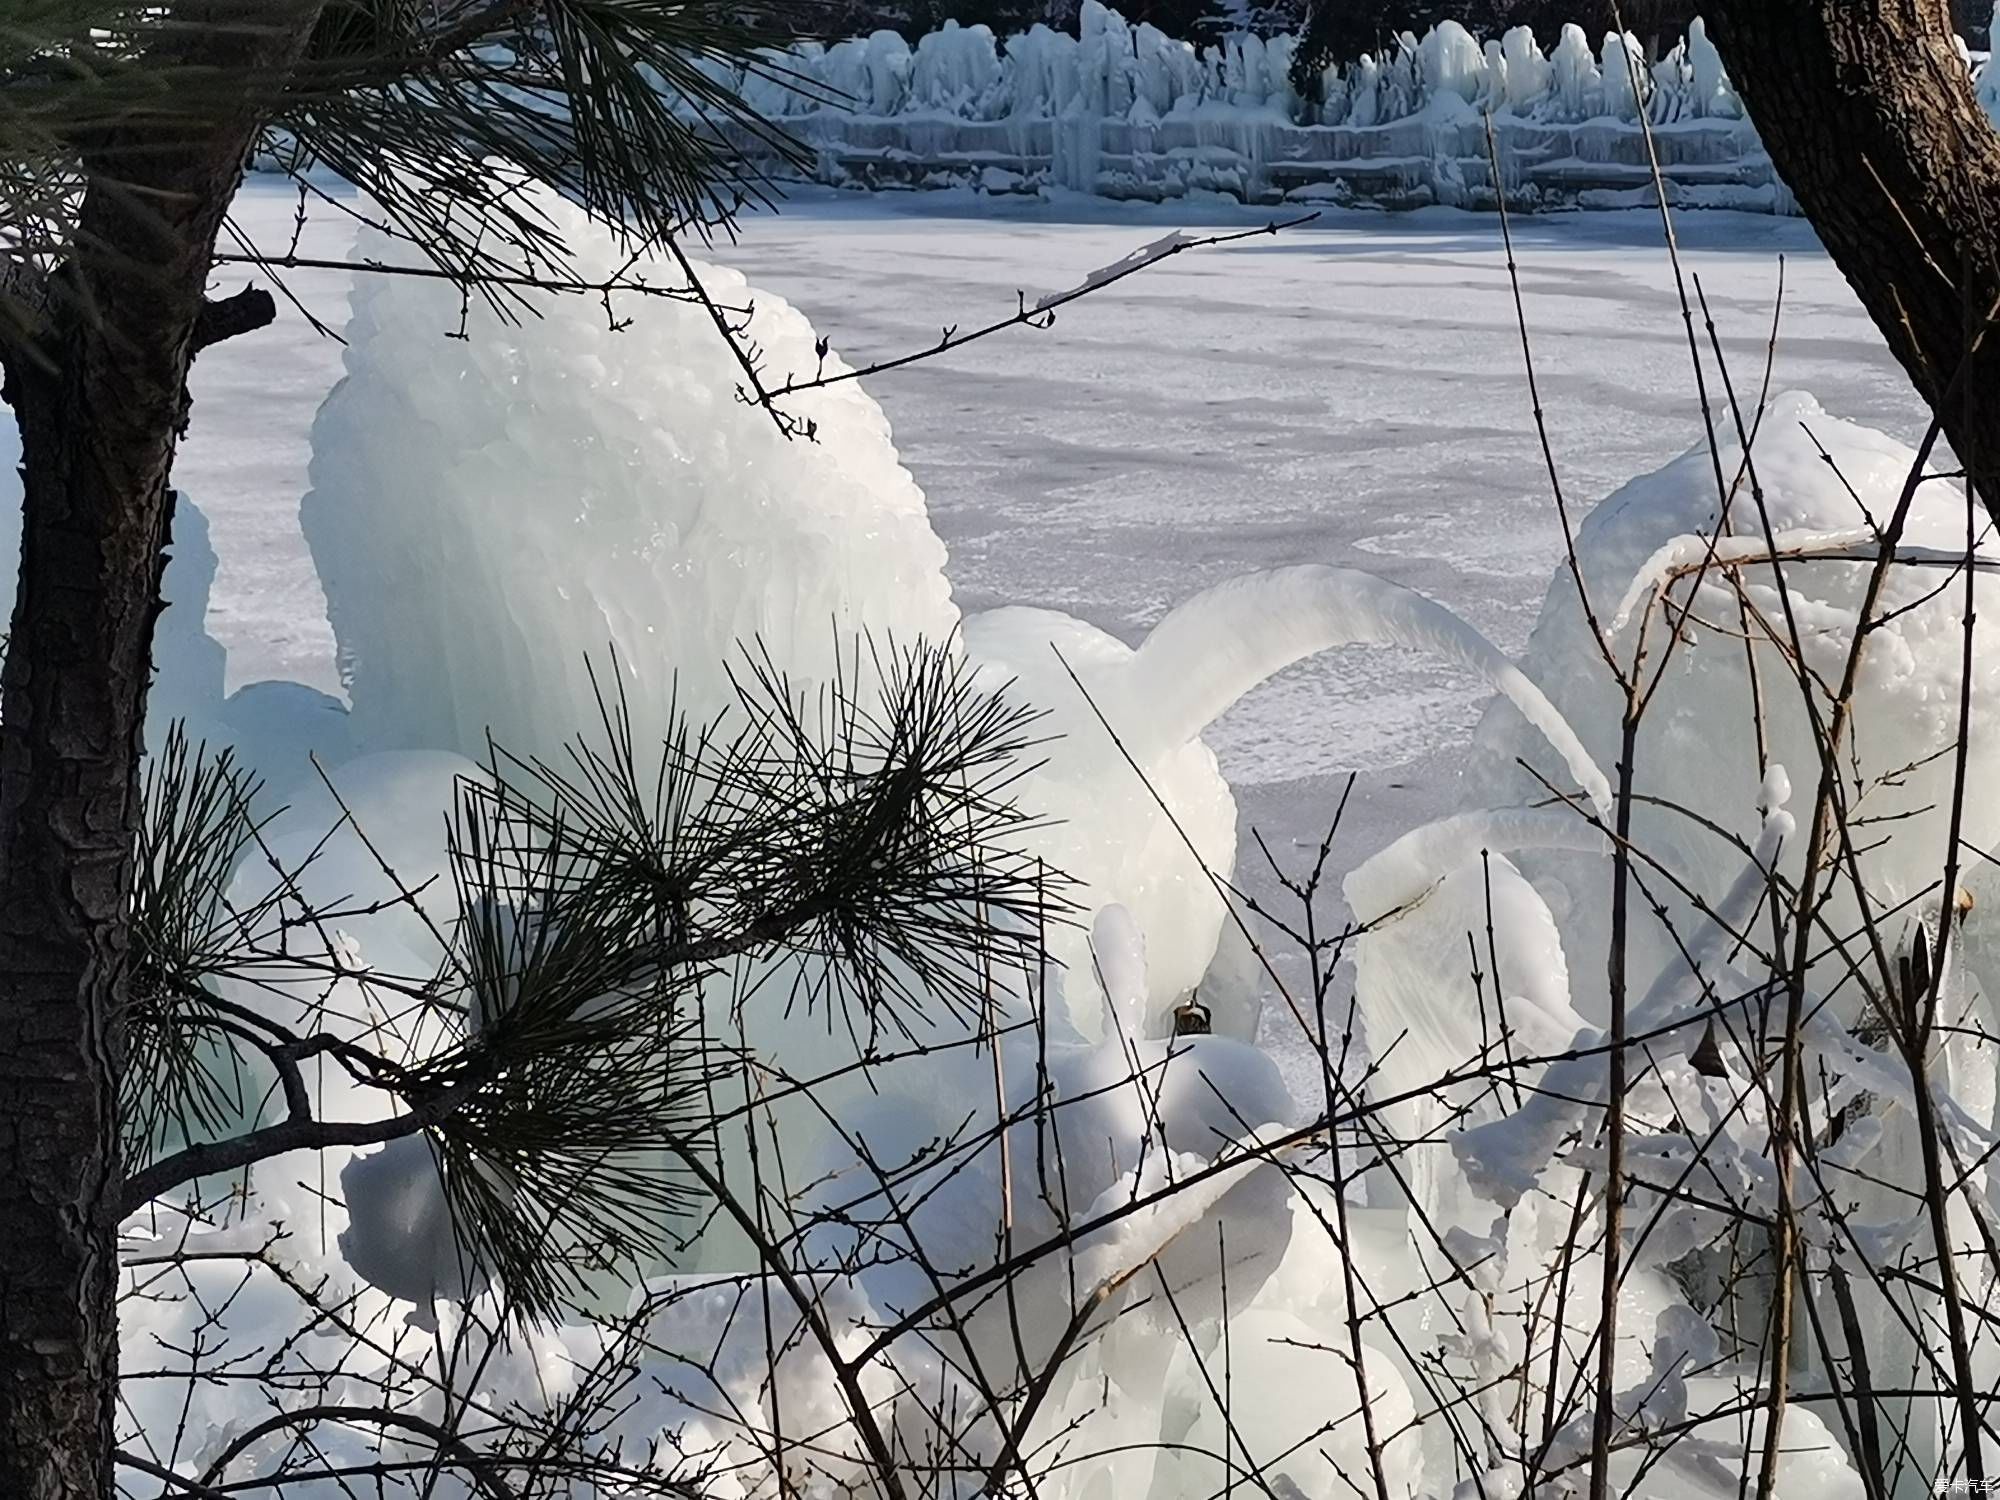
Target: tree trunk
x=1870, y=118
x=100, y=398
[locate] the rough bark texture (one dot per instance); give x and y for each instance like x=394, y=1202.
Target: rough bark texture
x=100, y=399
x=1869, y=115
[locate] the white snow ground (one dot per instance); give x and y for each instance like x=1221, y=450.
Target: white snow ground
x=1347, y=392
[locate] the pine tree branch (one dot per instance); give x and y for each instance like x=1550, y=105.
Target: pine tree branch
x=302, y=1131
x=478, y=1465
x=294, y=1133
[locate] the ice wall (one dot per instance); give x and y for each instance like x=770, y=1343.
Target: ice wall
x=1123, y=110
x=1126, y=111
x=1112, y=67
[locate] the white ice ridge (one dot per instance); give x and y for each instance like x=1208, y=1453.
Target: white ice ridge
x=1218, y=645
x=1113, y=68
x=1125, y=111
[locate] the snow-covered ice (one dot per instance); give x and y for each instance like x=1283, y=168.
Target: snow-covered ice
x=450, y=476
x=1690, y=752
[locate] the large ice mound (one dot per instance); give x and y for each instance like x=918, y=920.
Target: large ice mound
x=488, y=512
x=491, y=513
x=1824, y=480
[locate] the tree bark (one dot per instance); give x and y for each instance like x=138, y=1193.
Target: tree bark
x=100, y=397
x=1870, y=118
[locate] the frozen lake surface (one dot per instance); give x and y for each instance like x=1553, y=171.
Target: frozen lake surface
x=1347, y=392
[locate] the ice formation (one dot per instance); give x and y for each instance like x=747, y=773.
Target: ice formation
x=1159, y=699
x=1714, y=821
x=1423, y=1023
x=400, y=1237
x=260, y=719
x=1126, y=111
x=465, y=480
x=437, y=503
x=1114, y=68
x=1691, y=752
x=487, y=514
x=1117, y=1113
